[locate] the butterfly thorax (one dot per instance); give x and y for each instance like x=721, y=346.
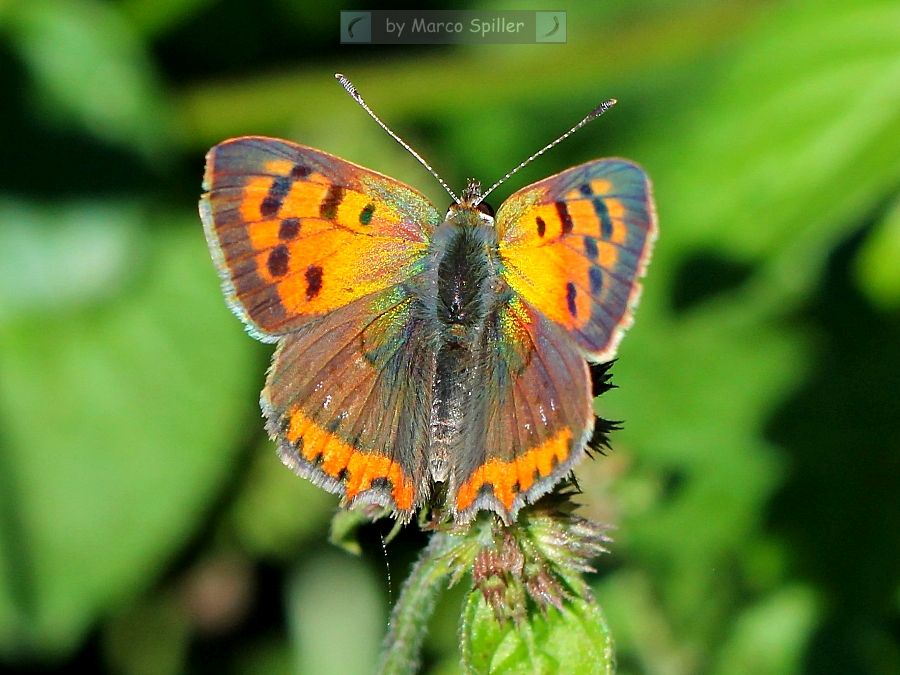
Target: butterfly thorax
x=465, y=270
x=464, y=249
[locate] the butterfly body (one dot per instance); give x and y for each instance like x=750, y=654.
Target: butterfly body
x=465, y=276
x=421, y=354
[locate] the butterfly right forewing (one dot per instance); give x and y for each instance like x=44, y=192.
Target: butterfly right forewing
x=574, y=246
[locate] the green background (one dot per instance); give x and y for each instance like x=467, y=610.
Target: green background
x=146, y=525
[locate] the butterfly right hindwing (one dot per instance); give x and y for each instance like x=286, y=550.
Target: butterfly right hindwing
x=534, y=414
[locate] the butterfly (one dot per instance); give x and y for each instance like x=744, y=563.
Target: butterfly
x=426, y=355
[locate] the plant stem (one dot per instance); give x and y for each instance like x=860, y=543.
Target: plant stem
x=409, y=619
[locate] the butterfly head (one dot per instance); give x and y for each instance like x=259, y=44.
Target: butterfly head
x=470, y=207
x=472, y=194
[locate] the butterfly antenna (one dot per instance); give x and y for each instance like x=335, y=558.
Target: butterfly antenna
x=594, y=114
x=348, y=85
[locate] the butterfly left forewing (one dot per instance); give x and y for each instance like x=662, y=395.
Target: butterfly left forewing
x=297, y=233
x=575, y=245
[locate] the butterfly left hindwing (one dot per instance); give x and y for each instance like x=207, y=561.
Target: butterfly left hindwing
x=347, y=399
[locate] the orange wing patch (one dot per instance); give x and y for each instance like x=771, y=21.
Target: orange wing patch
x=358, y=471
x=565, y=298
x=509, y=478
x=303, y=201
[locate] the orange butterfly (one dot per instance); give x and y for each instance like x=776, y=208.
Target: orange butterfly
x=416, y=348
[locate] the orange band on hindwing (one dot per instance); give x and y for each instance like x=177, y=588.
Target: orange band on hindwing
x=339, y=460
x=509, y=478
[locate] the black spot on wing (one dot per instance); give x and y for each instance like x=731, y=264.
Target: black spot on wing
x=596, y=278
x=284, y=424
x=271, y=204
x=329, y=206
x=486, y=490
x=571, y=292
x=564, y=217
x=313, y=281
x=289, y=229
x=382, y=482
x=278, y=261
x=299, y=171
x=606, y=226
x=365, y=216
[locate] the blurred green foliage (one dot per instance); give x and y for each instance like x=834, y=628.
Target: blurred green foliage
x=147, y=527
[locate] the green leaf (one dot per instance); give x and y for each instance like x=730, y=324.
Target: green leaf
x=769, y=174
x=878, y=261
x=90, y=67
x=785, y=154
x=270, y=655
x=273, y=101
x=695, y=404
x=148, y=638
x=59, y=258
x=575, y=640
x=770, y=635
x=645, y=634
x=336, y=615
x=276, y=510
x=117, y=427
x=156, y=17
x=345, y=527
